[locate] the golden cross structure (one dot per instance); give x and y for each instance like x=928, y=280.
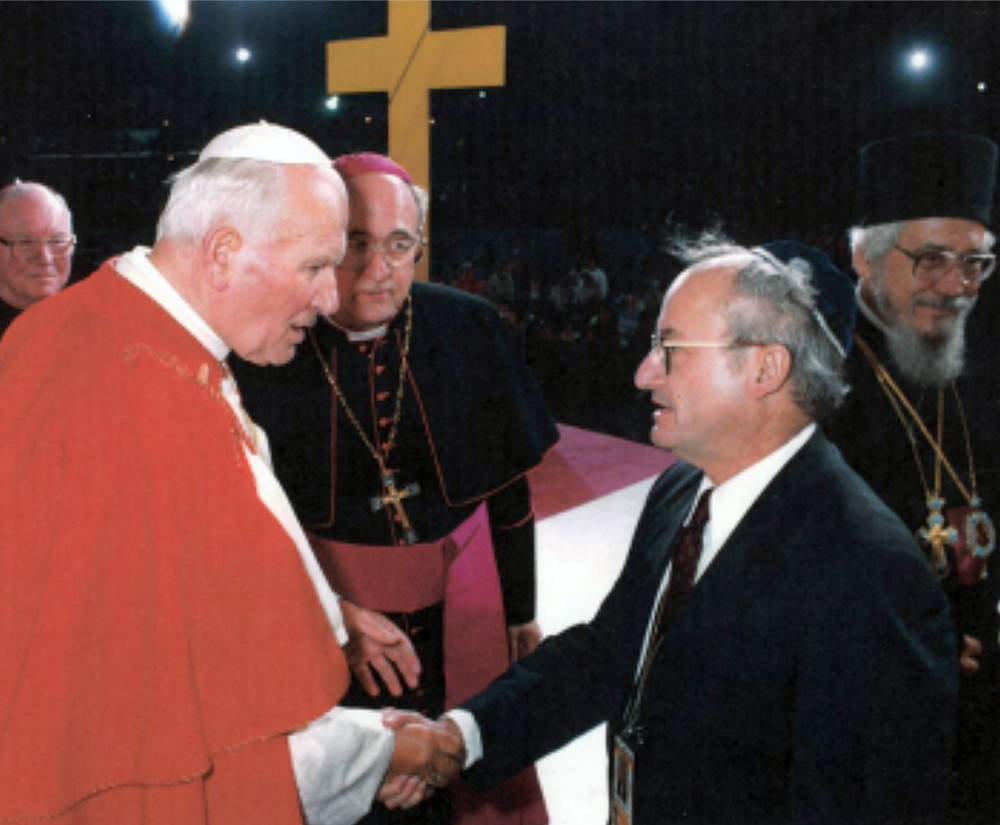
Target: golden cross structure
x=408, y=63
x=393, y=498
x=937, y=534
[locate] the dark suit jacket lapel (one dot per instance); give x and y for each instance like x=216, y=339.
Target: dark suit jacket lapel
x=761, y=543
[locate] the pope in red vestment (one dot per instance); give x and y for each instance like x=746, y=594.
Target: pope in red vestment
x=161, y=636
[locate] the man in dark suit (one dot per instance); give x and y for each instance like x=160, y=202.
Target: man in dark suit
x=789, y=661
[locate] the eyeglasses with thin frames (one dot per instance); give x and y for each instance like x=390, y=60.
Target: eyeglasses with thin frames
x=397, y=250
x=26, y=249
x=932, y=265
x=664, y=348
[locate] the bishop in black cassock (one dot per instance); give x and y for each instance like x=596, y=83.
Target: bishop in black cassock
x=458, y=435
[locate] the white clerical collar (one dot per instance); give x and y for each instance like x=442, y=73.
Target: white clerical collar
x=355, y=335
x=136, y=267
x=732, y=499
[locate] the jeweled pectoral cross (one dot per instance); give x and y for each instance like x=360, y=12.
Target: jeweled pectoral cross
x=393, y=497
x=936, y=535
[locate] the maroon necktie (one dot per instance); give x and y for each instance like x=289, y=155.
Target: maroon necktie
x=684, y=563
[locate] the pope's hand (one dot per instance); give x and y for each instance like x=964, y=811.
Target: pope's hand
x=433, y=751
x=400, y=791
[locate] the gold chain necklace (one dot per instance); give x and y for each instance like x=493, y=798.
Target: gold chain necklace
x=392, y=495
x=980, y=534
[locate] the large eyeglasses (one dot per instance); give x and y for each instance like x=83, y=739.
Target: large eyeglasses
x=26, y=249
x=664, y=348
x=396, y=250
x=932, y=265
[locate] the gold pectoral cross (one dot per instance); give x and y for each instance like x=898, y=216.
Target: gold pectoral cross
x=393, y=497
x=936, y=535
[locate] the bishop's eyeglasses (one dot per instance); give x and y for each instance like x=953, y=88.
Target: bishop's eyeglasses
x=26, y=249
x=399, y=249
x=663, y=348
x=932, y=265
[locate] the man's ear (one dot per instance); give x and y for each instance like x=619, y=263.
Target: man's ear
x=773, y=365
x=220, y=246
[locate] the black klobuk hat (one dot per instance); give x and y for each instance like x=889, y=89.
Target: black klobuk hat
x=930, y=175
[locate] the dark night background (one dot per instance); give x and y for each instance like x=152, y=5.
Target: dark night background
x=615, y=115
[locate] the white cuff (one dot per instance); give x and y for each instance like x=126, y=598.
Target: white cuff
x=340, y=761
x=470, y=734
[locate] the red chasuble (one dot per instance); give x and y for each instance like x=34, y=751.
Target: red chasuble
x=160, y=635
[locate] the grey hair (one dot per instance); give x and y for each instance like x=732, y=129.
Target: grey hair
x=423, y=205
x=19, y=188
x=775, y=303
x=877, y=241
x=246, y=194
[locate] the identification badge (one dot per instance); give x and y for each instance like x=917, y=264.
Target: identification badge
x=622, y=783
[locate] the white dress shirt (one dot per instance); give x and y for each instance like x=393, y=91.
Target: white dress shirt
x=340, y=758
x=727, y=506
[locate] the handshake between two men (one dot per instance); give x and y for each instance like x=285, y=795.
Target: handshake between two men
x=427, y=755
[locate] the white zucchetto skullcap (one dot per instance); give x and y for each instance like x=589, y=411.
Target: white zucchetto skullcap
x=266, y=142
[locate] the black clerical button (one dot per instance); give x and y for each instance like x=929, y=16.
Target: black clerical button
x=382, y=396
x=362, y=348
x=379, y=369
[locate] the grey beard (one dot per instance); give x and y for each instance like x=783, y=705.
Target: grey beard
x=928, y=362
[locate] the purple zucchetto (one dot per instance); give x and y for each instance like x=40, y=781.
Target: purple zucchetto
x=360, y=163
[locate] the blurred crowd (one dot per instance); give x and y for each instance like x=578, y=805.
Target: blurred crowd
x=584, y=332
x=580, y=338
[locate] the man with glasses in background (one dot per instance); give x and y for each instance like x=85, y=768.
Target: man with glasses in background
x=921, y=423
x=403, y=431
x=36, y=231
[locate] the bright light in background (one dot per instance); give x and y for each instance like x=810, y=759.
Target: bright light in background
x=174, y=12
x=981, y=87
x=243, y=54
x=332, y=103
x=919, y=61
